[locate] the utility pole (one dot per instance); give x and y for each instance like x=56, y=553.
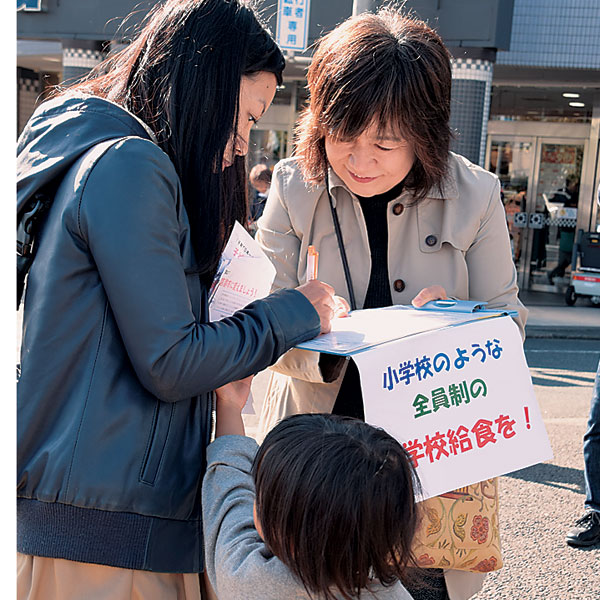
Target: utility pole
x=361, y=6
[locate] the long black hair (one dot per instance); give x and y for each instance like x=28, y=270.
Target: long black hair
x=181, y=75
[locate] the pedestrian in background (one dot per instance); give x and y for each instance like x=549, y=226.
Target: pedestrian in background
x=587, y=528
x=143, y=164
x=568, y=196
x=260, y=180
x=416, y=222
x=515, y=204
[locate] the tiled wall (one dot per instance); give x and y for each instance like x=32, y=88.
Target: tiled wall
x=77, y=62
x=28, y=90
x=470, y=107
x=554, y=33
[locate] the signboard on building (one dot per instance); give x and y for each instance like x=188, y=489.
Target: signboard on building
x=30, y=5
x=292, y=24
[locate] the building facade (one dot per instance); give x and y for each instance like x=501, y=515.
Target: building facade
x=525, y=98
x=545, y=120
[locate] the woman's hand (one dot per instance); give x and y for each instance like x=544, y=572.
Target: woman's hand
x=231, y=399
x=434, y=292
x=341, y=307
x=321, y=296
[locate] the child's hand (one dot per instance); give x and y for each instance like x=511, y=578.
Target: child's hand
x=231, y=399
x=235, y=393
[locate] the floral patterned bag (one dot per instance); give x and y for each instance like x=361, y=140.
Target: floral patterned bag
x=459, y=530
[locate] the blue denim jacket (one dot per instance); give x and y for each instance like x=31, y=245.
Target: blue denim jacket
x=118, y=360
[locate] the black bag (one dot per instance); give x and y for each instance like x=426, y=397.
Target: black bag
x=28, y=225
x=31, y=218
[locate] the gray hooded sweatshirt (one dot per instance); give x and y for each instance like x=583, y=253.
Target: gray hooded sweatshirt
x=239, y=565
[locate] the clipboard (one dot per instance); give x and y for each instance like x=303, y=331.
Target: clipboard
x=466, y=306
x=364, y=329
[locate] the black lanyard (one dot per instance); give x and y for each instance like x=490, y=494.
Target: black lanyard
x=338, y=235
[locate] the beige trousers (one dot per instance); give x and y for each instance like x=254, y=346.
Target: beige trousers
x=40, y=578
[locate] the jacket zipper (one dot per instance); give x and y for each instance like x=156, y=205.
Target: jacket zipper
x=212, y=404
x=213, y=420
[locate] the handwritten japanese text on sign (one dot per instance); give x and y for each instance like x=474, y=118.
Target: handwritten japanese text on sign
x=245, y=274
x=292, y=24
x=460, y=400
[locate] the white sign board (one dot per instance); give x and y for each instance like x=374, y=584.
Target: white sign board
x=292, y=24
x=459, y=399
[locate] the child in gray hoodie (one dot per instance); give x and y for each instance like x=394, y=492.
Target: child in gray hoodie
x=323, y=510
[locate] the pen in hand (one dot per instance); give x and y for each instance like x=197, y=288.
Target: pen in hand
x=312, y=264
x=312, y=272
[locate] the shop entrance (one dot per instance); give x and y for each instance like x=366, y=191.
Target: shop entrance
x=540, y=178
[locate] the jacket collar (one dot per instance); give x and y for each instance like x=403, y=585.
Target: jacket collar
x=449, y=186
x=117, y=107
x=335, y=182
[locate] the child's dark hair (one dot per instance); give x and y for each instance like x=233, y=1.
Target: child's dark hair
x=335, y=499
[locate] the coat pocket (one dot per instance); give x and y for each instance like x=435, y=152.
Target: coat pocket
x=157, y=441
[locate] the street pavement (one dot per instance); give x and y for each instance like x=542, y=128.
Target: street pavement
x=538, y=505
x=563, y=322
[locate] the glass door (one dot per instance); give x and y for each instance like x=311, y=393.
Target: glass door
x=540, y=190
x=512, y=159
x=552, y=218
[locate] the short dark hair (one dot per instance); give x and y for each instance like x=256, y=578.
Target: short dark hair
x=383, y=68
x=260, y=172
x=571, y=178
x=335, y=498
x=181, y=75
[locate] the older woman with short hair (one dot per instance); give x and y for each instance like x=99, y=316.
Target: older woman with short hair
x=396, y=217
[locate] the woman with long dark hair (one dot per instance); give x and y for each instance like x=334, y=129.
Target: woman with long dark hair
x=396, y=217
x=143, y=167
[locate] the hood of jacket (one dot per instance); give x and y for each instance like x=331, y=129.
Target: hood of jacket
x=60, y=131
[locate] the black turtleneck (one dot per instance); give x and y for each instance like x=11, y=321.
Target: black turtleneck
x=374, y=210
x=349, y=398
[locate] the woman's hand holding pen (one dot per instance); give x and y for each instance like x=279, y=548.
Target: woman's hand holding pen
x=329, y=306
x=321, y=296
x=342, y=308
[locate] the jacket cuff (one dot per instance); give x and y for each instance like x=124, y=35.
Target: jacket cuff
x=302, y=322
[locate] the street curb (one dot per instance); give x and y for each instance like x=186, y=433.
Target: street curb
x=562, y=332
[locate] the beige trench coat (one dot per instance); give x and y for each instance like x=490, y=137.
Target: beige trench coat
x=457, y=239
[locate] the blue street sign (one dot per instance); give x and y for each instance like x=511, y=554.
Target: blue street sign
x=292, y=24
x=30, y=5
